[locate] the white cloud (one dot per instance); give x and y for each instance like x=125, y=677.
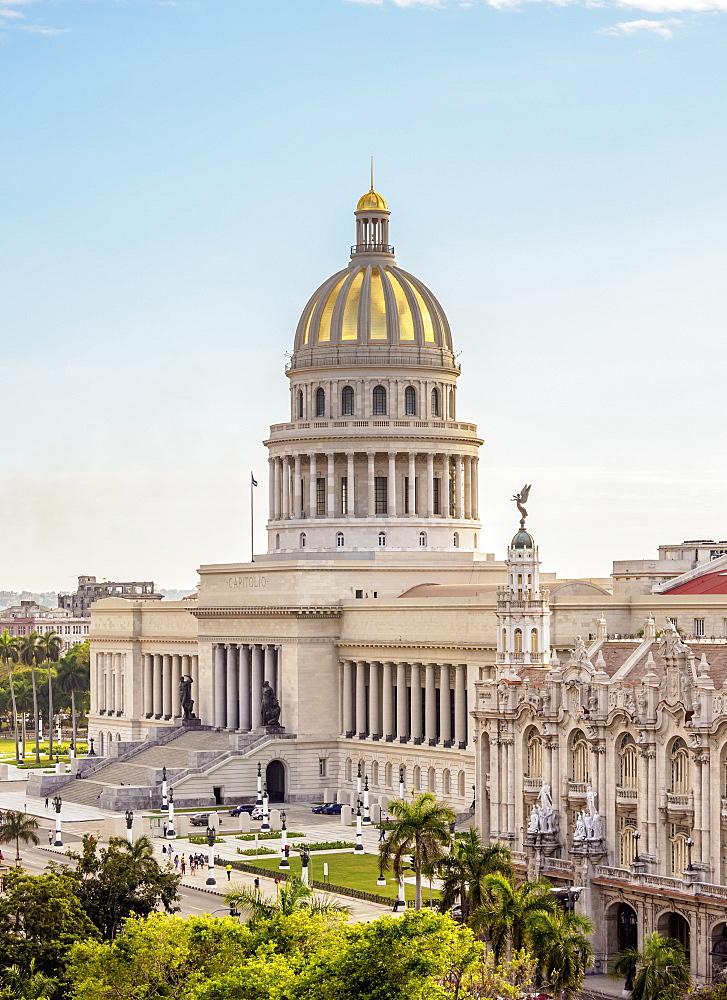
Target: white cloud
x=6, y=12
x=40, y=29
x=406, y=3
x=665, y=29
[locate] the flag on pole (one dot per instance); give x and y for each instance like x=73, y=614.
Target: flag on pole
x=253, y=480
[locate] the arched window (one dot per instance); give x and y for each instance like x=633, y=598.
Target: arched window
x=460, y=784
x=348, y=769
x=417, y=778
x=520, y=579
x=300, y=404
x=477, y=539
x=678, y=851
x=382, y=538
x=504, y=640
x=629, y=762
x=451, y=404
x=518, y=640
x=432, y=783
x=379, y=400
x=422, y=538
x=533, y=640
x=347, y=401
x=455, y=540
x=302, y=539
x=580, y=755
x=410, y=401
x=277, y=541
x=387, y=775
x=446, y=782
x=375, y=773
x=679, y=767
x=627, y=841
x=320, y=403
x=339, y=539
x=534, y=750
x=435, y=402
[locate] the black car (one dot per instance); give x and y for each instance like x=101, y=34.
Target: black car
x=332, y=809
x=238, y=810
x=321, y=807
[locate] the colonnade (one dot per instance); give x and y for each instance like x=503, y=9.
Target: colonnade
x=373, y=484
x=421, y=703
x=239, y=670
x=110, y=683
x=160, y=683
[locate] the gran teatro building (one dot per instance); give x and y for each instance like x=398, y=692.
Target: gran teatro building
x=595, y=732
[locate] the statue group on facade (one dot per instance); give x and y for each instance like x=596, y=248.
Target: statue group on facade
x=589, y=822
x=543, y=818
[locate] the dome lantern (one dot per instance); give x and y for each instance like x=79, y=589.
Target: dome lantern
x=372, y=223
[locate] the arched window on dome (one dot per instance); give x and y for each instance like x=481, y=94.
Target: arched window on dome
x=450, y=407
x=410, y=401
x=347, y=401
x=339, y=539
x=435, y=402
x=302, y=539
x=382, y=539
x=379, y=400
x=423, y=538
x=320, y=403
x=455, y=539
x=300, y=404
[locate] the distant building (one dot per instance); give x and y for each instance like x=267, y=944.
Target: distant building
x=22, y=619
x=89, y=590
x=649, y=576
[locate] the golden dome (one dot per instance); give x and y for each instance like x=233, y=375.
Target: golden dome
x=371, y=201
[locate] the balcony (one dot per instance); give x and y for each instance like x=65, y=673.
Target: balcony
x=577, y=789
x=626, y=796
x=532, y=785
x=664, y=883
x=371, y=248
x=679, y=802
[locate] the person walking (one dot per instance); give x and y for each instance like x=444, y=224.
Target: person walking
x=184, y=866
x=257, y=883
x=228, y=869
x=50, y=838
x=46, y=801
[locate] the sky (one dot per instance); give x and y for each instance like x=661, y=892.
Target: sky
x=178, y=176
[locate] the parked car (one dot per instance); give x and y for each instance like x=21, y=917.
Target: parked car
x=199, y=819
x=321, y=807
x=238, y=810
x=257, y=813
x=333, y=809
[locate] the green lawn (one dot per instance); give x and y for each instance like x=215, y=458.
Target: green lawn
x=353, y=872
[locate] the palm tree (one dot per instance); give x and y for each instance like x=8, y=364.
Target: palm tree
x=561, y=949
x=463, y=872
x=507, y=911
x=662, y=966
x=29, y=654
x=49, y=647
x=292, y=897
x=9, y=653
x=17, y=826
x=421, y=829
x=30, y=983
x=72, y=676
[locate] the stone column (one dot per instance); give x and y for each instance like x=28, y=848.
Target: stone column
x=468, y=487
x=388, y=701
x=371, y=483
x=430, y=485
x=158, y=686
x=220, y=694
x=458, y=486
x=312, y=475
x=100, y=703
x=331, y=506
x=119, y=657
x=402, y=704
x=430, y=705
x=460, y=706
x=257, y=686
x=231, y=689
x=510, y=746
x=148, y=685
x=271, y=488
x=194, y=669
x=444, y=491
x=361, y=699
x=412, y=485
x=445, y=721
x=244, y=687
x=270, y=672
x=276, y=489
x=348, y=719
x=705, y=769
x=110, y=686
x=475, y=487
x=351, y=496
x=176, y=675
x=416, y=703
x=297, y=489
x=167, y=684
x=374, y=713
x=494, y=785
x=391, y=499
x=286, y=487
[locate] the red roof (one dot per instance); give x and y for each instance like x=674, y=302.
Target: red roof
x=709, y=583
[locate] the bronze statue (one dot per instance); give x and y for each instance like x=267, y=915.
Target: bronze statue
x=521, y=499
x=185, y=696
x=270, y=708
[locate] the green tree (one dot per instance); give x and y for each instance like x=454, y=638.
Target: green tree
x=420, y=829
x=122, y=880
x=29, y=655
x=10, y=653
x=28, y=984
x=292, y=897
x=561, y=948
x=74, y=674
x=17, y=826
x=49, y=647
x=662, y=966
x=41, y=917
x=507, y=910
x=463, y=872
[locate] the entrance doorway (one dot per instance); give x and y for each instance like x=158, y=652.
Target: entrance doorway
x=217, y=792
x=674, y=925
x=627, y=927
x=275, y=780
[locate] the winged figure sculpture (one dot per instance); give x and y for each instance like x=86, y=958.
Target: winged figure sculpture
x=521, y=499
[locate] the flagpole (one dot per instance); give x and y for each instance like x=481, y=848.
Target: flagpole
x=252, y=523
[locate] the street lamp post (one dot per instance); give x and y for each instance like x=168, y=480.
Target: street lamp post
x=366, y=806
x=57, y=803
x=401, y=782
x=359, y=848
x=259, y=800
x=265, y=825
x=304, y=862
x=636, y=835
x=211, y=834
x=129, y=817
x=284, y=849
x=358, y=780
x=171, y=835
x=91, y=752
x=690, y=845
x=164, y=788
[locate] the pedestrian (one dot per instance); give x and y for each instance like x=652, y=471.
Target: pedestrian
x=50, y=838
x=184, y=866
x=228, y=869
x=257, y=884
x=164, y=848
x=176, y=861
x=164, y=829
x=46, y=801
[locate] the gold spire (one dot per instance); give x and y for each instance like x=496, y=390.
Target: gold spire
x=371, y=201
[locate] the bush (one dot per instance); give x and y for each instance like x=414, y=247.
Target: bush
x=326, y=845
x=274, y=835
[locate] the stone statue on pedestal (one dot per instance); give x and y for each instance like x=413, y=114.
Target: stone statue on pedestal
x=185, y=696
x=270, y=708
